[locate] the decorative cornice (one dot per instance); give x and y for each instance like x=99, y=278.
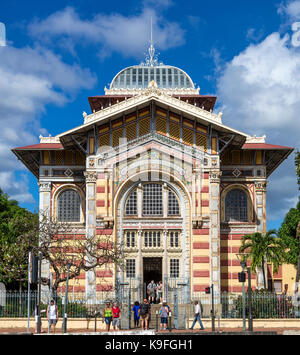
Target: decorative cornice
x=143, y=96
x=255, y=139
x=132, y=92
x=49, y=139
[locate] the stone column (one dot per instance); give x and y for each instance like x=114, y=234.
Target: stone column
x=139, y=200
x=44, y=209
x=260, y=196
x=165, y=263
x=214, y=205
x=90, y=278
x=139, y=258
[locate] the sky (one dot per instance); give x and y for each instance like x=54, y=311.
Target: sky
x=58, y=53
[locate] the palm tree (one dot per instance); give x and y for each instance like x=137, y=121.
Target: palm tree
x=263, y=248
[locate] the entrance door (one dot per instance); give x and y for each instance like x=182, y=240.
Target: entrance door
x=152, y=269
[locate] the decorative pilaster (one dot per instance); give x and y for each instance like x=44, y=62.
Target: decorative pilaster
x=139, y=258
x=90, y=178
x=260, y=193
x=44, y=209
x=214, y=204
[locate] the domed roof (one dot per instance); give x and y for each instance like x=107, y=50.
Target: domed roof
x=139, y=77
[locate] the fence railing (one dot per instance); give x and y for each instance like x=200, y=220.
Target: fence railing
x=263, y=304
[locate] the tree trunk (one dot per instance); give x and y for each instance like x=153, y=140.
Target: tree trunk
x=264, y=274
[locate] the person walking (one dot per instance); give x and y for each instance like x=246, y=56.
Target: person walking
x=136, y=316
x=159, y=292
x=197, y=316
x=107, y=316
x=151, y=289
x=52, y=315
x=164, y=312
x=144, y=313
x=116, y=313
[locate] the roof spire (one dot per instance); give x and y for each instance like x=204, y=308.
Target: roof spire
x=151, y=58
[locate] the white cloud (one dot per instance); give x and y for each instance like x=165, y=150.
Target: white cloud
x=259, y=91
x=291, y=9
x=128, y=35
x=31, y=78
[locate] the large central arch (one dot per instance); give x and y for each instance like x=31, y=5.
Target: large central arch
x=164, y=224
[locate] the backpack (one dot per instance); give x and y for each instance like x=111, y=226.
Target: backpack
x=144, y=309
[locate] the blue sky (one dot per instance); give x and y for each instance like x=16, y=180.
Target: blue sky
x=60, y=52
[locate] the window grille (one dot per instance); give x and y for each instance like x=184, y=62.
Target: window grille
x=131, y=205
x=173, y=205
x=161, y=125
x=152, y=200
x=152, y=239
x=144, y=126
x=174, y=268
x=117, y=134
x=201, y=141
x=130, y=268
x=130, y=239
x=188, y=136
x=68, y=206
x=174, y=239
x=130, y=131
x=174, y=130
x=236, y=206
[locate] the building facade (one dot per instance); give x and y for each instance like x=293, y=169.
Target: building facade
x=156, y=169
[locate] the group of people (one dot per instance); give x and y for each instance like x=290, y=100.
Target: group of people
x=112, y=315
x=155, y=292
x=141, y=312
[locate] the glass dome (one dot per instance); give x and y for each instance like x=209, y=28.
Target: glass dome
x=139, y=77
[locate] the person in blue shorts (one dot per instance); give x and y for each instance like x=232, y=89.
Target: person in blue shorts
x=136, y=316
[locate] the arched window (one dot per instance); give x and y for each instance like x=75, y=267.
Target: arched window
x=236, y=206
x=152, y=200
x=68, y=206
x=131, y=205
x=173, y=205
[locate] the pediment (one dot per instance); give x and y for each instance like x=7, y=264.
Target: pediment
x=153, y=152
x=146, y=98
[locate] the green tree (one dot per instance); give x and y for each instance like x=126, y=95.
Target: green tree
x=16, y=240
x=289, y=232
x=263, y=248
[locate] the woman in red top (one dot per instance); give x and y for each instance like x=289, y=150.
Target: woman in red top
x=116, y=316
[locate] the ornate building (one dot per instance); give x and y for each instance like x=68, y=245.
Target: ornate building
x=159, y=171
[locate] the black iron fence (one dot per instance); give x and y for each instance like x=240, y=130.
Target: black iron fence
x=14, y=304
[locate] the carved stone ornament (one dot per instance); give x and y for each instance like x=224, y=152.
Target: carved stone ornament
x=90, y=176
x=215, y=175
x=261, y=185
x=45, y=186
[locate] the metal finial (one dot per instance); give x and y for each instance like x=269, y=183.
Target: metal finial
x=151, y=58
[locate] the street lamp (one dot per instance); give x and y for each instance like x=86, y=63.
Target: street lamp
x=242, y=258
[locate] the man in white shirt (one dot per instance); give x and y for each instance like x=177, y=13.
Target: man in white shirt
x=197, y=316
x=52, y=315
